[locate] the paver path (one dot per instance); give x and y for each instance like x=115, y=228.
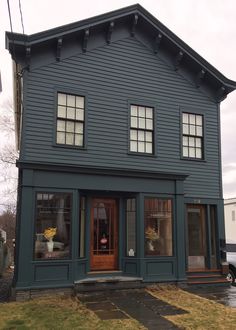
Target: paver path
x=137, y=304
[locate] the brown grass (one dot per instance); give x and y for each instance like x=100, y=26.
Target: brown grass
x=203, y=313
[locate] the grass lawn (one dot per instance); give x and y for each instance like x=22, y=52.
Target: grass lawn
x=203, y=313
x=68, y=313
x=57, y=313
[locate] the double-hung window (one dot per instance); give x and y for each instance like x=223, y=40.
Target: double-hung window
x=70, y=120
x=141, y=129
x=192, y=139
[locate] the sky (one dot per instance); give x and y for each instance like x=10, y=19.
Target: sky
x=208, y=26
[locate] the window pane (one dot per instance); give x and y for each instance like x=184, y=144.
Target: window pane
x=149, y=124
x=141, y=112
x=134, y=110
x=192, y=130
x=70, y=100
x=158, y=227
x=133, y=146
x=61, y=112
x=185, y=151
x=79, y=114
x=61, y=125
x=198, y=142
x=185, y=118
x=148, y=136
x=199, y=120
x=141, y=123
x=198, y=153
x=79, y=140
x=130, y=228
x=149, y=112
x=79, y=128
x=133, y=134
x=61, y=99
x=61, y=138
x=191, y=152
x=191, y=142
x=141, y=135
x=141, y=147
x=70, y=126
x=53, y=219
x=192, y=119
x=69, y=138
x=199, y=131
x=79, y=102
x=149, y=148
x=70, y=113
x=134, y=122
x=185, y=141
x=185, y=129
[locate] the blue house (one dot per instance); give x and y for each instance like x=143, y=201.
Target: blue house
x=118, y=126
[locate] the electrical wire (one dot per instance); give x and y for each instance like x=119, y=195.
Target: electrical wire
x=9, y=13
x=21, y=15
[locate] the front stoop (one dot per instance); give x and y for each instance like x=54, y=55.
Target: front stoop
x=100, y=283
x=203, y=277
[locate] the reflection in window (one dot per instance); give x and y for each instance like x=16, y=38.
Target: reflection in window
x=82, y=227
x=53, y=221
x=130, y=227
x=158, y=226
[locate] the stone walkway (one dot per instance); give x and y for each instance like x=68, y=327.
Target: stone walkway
x=5, y=286
x=135, y=303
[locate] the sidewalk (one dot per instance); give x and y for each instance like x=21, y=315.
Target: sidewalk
x=5, y=286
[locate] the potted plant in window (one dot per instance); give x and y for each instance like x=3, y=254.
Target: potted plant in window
x=151, y=236
x=49, y=233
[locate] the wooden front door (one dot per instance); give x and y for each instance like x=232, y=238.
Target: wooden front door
x=197, y=245
x=104, y=234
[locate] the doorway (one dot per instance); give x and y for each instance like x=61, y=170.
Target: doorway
x=104, y=235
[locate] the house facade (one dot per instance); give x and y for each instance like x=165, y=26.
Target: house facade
x=118, y=125
x=230, y=224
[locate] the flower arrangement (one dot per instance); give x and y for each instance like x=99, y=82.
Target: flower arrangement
x=49, y=233
x=151, y=234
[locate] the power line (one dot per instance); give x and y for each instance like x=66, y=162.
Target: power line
x=21, y=15
x=9, y=13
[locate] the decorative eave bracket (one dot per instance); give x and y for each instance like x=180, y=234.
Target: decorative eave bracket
x=59, y=46
x=85, y=41
x=28, y=56
x=109, y=33
x=200, y=77
x=178, y=59
x=157, y=43
x=221, y=94
x=134, y=25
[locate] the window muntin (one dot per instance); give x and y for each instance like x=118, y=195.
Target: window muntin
x=192, y=130
x=141, y=129
x=158, y=227
x=131, y=227
x=53, y=223
x=70, y=120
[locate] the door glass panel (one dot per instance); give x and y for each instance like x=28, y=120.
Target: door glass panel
x=213, y=236
x=196, y=237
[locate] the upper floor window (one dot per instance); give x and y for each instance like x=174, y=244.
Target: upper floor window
x=141, y=129
x=192, y=130
x=233, y=215
x=70, y=120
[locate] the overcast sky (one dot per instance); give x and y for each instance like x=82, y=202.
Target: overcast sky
x=208, y=26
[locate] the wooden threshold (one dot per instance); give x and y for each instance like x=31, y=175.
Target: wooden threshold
x=104, y=272
x=201, y=270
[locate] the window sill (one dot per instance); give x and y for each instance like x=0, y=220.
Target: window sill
x=69, y=146
x=193, y=159
x=141, y=154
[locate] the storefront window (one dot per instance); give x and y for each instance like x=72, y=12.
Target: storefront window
x=53, y=221
x=130, y=227
x=82, y=227
x=158, y=227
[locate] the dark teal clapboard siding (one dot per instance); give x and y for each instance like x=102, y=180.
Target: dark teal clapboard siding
x=112, y=75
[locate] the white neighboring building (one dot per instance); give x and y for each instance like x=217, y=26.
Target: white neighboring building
x=230, y=223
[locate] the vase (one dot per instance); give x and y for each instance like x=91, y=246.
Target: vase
x=150, y=245
x=50, y=244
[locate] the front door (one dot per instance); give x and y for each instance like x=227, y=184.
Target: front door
x=197, y=243
x=104, y=234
